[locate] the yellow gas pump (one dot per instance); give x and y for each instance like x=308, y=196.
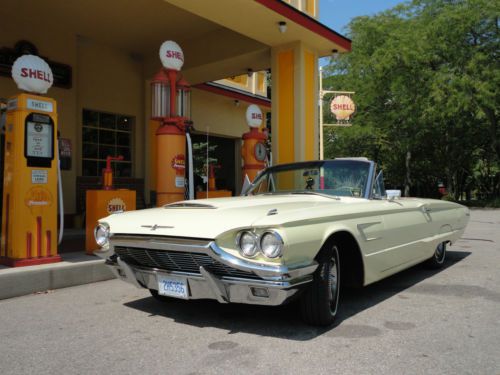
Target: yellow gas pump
x=29, y=211
x=29, y=217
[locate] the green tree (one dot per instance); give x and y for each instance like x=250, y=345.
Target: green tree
x=426, y=76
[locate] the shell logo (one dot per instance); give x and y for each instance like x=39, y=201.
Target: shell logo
x=32, y=74
x=253, y=116
x=171, y=55
x=342, y=106
x=179, y=164
x=38, y=196
x=115, y=204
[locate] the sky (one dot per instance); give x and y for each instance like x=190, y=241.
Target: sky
x=336, y=14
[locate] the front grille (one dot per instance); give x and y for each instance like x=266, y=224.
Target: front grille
x=178, y=261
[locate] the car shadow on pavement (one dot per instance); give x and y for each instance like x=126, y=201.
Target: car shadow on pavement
x=284, y=321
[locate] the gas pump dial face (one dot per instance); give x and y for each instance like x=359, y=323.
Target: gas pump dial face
x=260, y=151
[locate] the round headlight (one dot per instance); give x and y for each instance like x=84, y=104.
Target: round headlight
x=101, y=234
x=271, y=244
x=248, y=244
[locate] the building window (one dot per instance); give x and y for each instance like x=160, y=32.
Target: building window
x=241, y=80
x=306, y=6
x=106, y=134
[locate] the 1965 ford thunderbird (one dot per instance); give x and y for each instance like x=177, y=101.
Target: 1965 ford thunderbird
x=302, y=230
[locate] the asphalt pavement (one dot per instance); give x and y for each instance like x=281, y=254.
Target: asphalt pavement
x=417, y=322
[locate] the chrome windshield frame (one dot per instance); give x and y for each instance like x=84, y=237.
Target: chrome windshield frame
x=367, y=193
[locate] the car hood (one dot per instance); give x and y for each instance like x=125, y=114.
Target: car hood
x=208, y=218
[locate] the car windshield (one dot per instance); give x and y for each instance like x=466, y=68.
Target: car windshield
x=348, y=178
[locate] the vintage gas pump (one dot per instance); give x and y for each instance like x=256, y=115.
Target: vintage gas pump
x=171, y=109
x=254, y=151
x=104, y=202
x=29, y=212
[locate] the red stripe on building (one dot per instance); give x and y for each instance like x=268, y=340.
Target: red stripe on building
x=233, y=94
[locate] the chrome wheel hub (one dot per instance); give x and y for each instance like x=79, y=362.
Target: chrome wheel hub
x=440, y=252
x=333, y=282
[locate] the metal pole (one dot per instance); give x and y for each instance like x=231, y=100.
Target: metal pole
x=321, y=155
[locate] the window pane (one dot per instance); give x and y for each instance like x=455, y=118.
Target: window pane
x=90, y=118
x=123, y=169
x=89, y=135
x=124, y=123
x=105, y=151
x=89, y=168
x=125, y=151
x=107, y=137
x=89, y=151
x=107, y=121
x=101, y=165
x=123, y=139
x=103, y=135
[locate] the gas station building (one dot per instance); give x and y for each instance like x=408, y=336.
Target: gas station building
x=104, y=54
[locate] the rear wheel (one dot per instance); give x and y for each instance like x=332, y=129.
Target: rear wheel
x=320, y=302
x=437, y=260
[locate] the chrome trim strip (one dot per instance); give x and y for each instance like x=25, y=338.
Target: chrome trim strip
x=161, y=243
x=129, y=273
x=217, y=286
x=370, y=181
x=232, y=280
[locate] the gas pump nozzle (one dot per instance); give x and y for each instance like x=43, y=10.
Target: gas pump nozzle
x=107, y=173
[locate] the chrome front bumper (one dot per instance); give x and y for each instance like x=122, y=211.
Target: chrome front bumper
x=275, y=285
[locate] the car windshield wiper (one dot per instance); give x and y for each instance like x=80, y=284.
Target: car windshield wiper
x=310, y=192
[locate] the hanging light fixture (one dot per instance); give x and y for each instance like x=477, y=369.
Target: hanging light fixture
x=282, y=26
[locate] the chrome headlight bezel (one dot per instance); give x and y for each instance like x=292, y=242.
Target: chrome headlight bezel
x=255, y=249
x=278, y=249
x=101, y=234
x=257, y=237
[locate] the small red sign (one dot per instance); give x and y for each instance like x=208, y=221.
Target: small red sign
x=179, y=164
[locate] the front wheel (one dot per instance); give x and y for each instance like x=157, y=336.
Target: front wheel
x=437, y=260
x=320, y=302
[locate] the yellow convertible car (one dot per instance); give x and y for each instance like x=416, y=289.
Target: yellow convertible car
x=303, y=230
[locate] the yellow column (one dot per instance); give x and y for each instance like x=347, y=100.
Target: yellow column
x=294, y=103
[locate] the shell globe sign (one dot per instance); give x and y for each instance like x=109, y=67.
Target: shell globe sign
x=171, y=55
x=32, y=74
x=343, y=107
x=254, y=116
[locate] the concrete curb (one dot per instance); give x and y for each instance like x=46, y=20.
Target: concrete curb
x=71, y=271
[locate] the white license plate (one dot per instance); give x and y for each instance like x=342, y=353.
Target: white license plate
x=172, y=286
